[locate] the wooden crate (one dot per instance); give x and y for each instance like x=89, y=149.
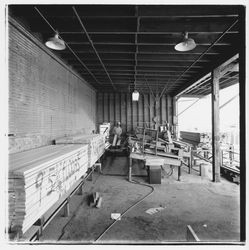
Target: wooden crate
x=39, y=177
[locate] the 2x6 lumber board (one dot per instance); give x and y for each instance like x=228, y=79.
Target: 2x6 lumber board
x=106, y=107
x=163, y=109
x=126, y=112
x=111, y=108
x=134, y=114
x=146, y=109
x=216, y=125
x=129, y=112
x=151, y=110
x=117, y=106
x=120, y=108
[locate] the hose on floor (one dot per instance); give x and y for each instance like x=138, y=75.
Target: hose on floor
x=128, y=209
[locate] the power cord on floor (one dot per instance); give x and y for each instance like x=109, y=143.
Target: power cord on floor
x=127, y=210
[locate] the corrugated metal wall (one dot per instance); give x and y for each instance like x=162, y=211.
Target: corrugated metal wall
x=46, y=99
x=112, y=107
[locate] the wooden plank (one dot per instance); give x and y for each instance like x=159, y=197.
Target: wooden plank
x=146, y=110
x=191, y=235
x=151, y=106
x=175, y=119
x=120, y=108
x=123, y=111
x=129, y=112
x=39, y=177
x=143, y=110
x=106, y=107
x=140, y=111
x=114, y=109
x=111, y=108
x=117, y=106
x=216, y=125
x=163, y=109
x=126, y=111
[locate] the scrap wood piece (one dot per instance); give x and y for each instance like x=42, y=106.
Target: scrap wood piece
x=191, y=235
x=154, y=210
x=99, y=202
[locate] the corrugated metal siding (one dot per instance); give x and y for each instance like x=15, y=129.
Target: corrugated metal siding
x=114, y=107
x=46, y=100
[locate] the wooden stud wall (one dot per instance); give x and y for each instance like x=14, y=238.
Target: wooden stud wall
x=46, y=98
x=120, y=107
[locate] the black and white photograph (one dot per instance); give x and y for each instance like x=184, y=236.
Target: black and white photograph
x=124, y=123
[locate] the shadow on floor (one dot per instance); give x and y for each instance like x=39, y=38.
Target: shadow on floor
x=212, y=209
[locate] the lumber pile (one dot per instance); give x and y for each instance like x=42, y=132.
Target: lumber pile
x=95, y=142
x=194, y=137
x=39, y=177
x=191, y=136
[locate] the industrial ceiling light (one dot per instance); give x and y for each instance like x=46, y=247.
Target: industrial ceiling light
x=187, y=44
x=135, y=96
x=55, y=43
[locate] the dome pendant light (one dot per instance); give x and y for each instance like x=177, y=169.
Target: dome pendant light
x=55, y=43
x=187, y=44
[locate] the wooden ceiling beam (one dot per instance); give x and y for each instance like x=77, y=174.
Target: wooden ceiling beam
x=93, y=46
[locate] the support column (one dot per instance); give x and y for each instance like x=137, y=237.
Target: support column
x=216, y=125
x=175, y=118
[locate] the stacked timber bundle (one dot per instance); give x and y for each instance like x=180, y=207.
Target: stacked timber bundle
x=194, y=137
x=191, y=136
x=38, y=178
x=95, y=142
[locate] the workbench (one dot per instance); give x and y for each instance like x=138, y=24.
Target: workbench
x=162, y=159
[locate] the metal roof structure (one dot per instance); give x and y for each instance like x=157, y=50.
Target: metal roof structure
x=117, y=48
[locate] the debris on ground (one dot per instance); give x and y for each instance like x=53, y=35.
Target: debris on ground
x=116, y=216
x=95, y=200
x=154, y=210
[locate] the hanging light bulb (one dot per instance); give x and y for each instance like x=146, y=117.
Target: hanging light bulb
x=135, y=96
x=187, y=44
x=55, y=43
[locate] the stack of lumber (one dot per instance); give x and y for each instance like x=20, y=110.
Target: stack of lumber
x=194, y=138
x=39, y=177
x=191, y=136
x=95, y=142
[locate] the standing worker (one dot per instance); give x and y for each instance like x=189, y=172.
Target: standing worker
x=117, y=131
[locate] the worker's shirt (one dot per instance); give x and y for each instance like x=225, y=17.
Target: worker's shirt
x=117, y=131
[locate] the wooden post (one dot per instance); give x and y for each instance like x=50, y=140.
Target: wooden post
x=66, y=208
x=174, y=118
x=130, y=169
x=216, y=125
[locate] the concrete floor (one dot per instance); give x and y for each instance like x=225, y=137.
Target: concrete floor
x=212, y=209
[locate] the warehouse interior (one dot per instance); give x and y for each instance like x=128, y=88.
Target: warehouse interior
x=95, y=151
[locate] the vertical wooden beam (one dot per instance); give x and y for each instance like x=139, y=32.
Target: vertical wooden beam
x=161, y=112
x=131, y=113
x=103, y=107
x=143, y=108
x=120, y=107
x=138, y=111
x=175, y=120
x=126, y=111
x=114, y=108
x=167, y=109
x=109, y=106
x=216, y=125
x=151, y=104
